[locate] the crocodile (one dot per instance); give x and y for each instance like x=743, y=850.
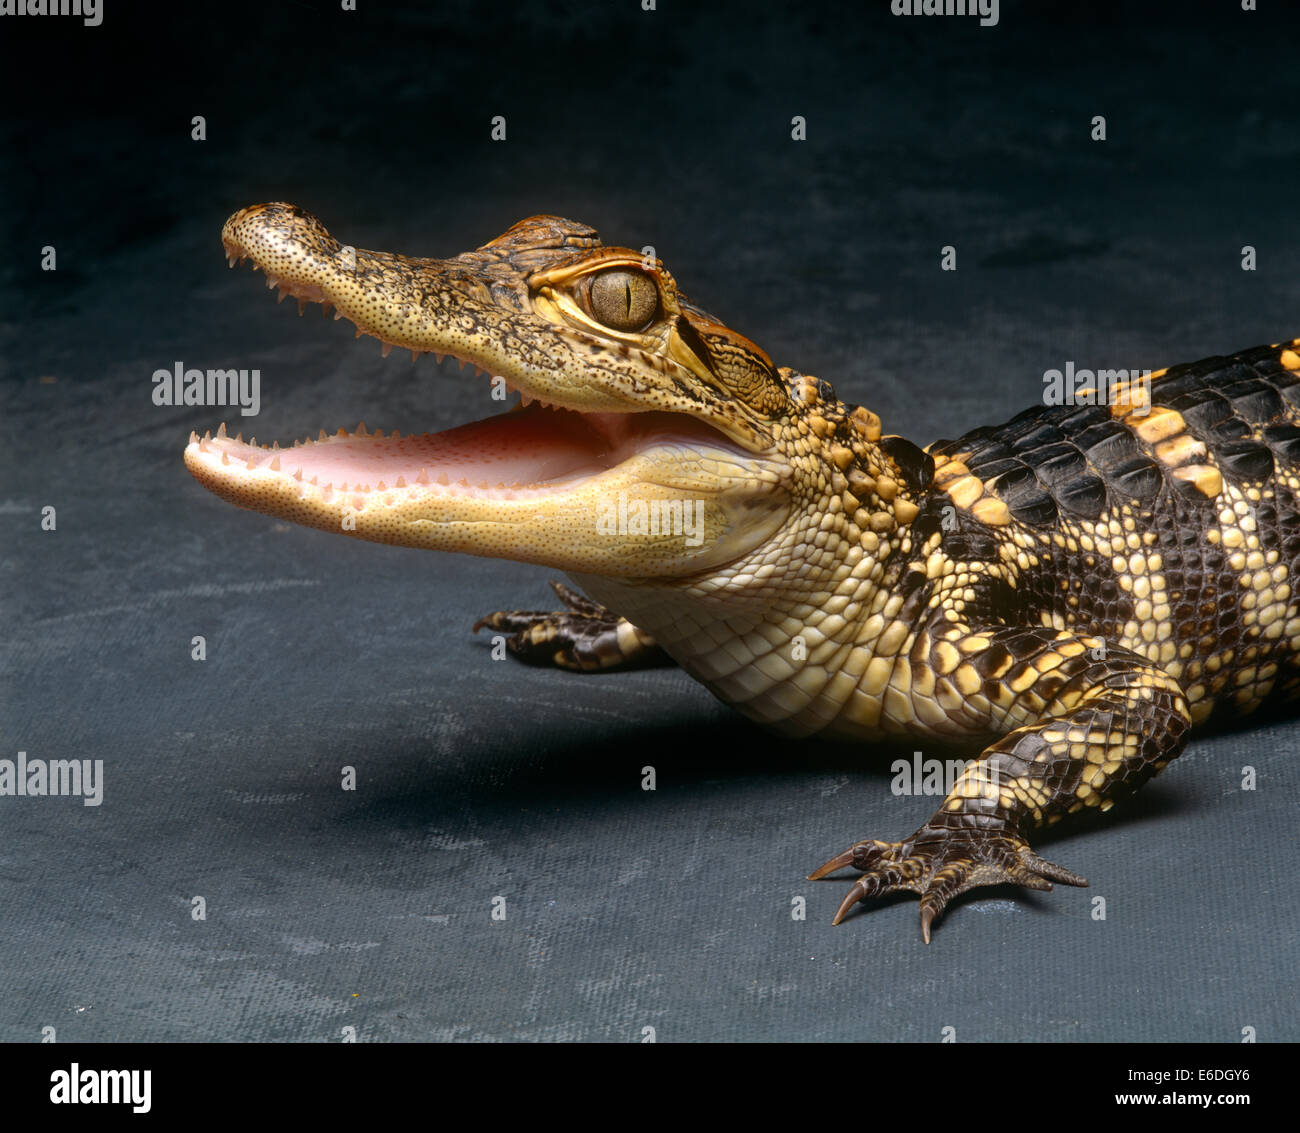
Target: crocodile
x=1064, y=595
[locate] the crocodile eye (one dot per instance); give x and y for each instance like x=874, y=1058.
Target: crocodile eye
x=624, y=300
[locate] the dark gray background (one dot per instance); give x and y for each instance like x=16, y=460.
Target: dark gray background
x=626, y=909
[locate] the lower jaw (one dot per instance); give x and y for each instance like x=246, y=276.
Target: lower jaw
x=530, y=485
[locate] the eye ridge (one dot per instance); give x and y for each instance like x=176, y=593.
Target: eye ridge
x=623, y=299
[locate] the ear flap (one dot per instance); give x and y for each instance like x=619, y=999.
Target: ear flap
x=915, y=465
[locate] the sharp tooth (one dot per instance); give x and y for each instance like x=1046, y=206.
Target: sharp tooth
x=397, y=436
x=221, y=432
x=415, y=355
x=302, y=306
x=252, y=441
x=203, y=445
x=239, y=437
x=230, y=259
x=525, y=401
x=462, y=483
x=442, y=479
x=342, y=432
x=386, y=349
x=337, y=314
x=501, y=485
x=271, y=281
x=275, y=464
x=361, y=430
x=359, y=333
x=462, y=363
x=482, y=484
x=377, y=433
x=282, y=297
x=207, y=434
x=298, y=475
x=322, y=435
x=423, y=478
x=224, y=458
x=325, y=306
x=193, y=436
x=275, y=446
x=401, y=482
x=345, y=486
x=381, y=486
x=252, y=463
x=314, y=479
x=438, y=357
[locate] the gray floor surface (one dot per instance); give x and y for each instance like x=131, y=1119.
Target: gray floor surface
x=476, y=779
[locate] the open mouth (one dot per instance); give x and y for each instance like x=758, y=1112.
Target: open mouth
x=535, y=448
x=527, y=451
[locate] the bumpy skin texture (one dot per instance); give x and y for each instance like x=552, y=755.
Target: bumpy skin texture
x=1070, y=591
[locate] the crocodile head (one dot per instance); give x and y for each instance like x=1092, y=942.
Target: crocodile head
x=652, y=445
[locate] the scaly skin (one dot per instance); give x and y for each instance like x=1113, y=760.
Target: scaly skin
x=1070, y=591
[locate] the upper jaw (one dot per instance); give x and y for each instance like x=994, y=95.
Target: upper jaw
x=502, y=309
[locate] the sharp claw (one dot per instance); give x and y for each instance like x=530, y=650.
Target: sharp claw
x=839, y=861
x=854, y=896
x=928, y=913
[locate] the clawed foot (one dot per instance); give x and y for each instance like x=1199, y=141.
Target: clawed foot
x=585, y=638
x=939, y=864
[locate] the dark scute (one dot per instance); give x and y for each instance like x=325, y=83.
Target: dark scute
x=1285, y=441
x=1244, y=460
x=1203, y=410
x=1033, y=436
x=1018, y=483
x=992, y=469
x=1082, y=417
x=1138, y=479
x=1234, y=428
x=1185, y=379
x=1083, y=496
x=1256, y=401
x=1062, y=467
x=988, y=661
x=1034, y=510
x=1108, y=446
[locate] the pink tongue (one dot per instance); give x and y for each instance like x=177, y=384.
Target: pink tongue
x=530, y=446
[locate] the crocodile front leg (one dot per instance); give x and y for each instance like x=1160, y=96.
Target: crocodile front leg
x=1095, y=723
x=584, y=638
